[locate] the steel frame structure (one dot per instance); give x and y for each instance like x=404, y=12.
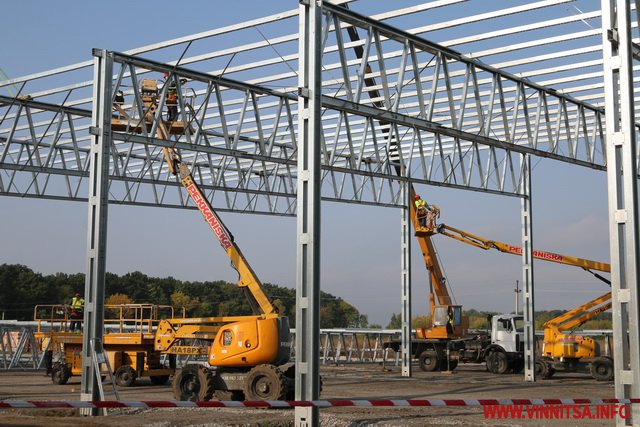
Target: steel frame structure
x=388, y=98
x=619, y=52
x=459, y=121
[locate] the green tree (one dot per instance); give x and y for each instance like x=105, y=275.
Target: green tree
x=180, y=300
x=119, y=312
x=395, y=322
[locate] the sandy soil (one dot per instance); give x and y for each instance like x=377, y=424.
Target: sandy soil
x=340, y=382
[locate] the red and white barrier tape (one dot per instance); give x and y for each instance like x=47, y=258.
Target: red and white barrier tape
x=294, y=403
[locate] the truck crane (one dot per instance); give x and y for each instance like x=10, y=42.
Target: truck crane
x=561, y=349
x=245, y=354
x=438, y=347
x=430, y=343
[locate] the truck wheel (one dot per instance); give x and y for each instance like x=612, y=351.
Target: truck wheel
x=60, y=373
x=518, y=366
x=193, y=383
x=498, y=363
x=159, y=379
x=265, y=382
x=453, y=363
x=602, y=369
x=428, y=361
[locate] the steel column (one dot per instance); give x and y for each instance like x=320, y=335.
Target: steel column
x=97, y=225
x=527, y=274
x=307, y=379
x=405, y=273
x=622, y=170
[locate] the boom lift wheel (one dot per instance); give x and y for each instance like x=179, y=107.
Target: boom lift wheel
x=125, y=376
x=60, y=373
x=265, y=382
x=193, y=383
x=428, y=361
x=544, y=369
x=602, y=369
x=290, y=374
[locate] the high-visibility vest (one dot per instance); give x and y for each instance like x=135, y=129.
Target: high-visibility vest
x=172, y=95
x=77, y=303
x=421, y=204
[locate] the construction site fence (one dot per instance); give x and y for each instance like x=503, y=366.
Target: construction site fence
x=20, y=350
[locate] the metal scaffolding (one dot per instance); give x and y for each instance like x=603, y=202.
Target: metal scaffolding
x=382, y=97
x=619, y=52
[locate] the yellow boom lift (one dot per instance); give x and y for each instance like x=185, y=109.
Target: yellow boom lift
x=244, y=353
x=561, y=348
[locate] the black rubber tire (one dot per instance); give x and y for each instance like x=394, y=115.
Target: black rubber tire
x=544, y=369
x=226, y=395
x=602, y=369
x=453, y=364
x=517, y=366
x=125, y=376
x=498, y=363
x=487, y=362
x=552, y=371
x=290, y=374
x=265, y=382
x=193, y=383
x=428, y=361
x=60, y=373
x=159, y=379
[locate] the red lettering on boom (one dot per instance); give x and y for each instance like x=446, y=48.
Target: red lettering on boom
x=209, y=217
x=538, y=254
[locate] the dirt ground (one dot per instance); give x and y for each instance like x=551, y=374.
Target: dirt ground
x=340, y=382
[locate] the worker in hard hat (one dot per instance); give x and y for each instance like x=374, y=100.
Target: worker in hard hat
x=171, y=99
x=421, y=210
x=118, y=103
x=77, y=312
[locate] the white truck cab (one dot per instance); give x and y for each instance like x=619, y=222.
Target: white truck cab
x=507, y=344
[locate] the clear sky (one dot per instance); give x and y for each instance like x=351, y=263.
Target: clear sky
x=360, y=245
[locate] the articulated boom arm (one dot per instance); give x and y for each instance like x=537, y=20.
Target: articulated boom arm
x=565, y=321
x=482, y=243
x=248, y=281
x=579, y=315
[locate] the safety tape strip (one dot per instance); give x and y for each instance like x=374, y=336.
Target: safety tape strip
x=294, y=403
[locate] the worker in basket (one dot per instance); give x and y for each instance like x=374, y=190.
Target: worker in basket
x=421, y=210
x=171, y=100
x=77, y=312
x=427, y=214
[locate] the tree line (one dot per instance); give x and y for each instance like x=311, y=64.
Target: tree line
x=21, y=289
x=478, y=320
